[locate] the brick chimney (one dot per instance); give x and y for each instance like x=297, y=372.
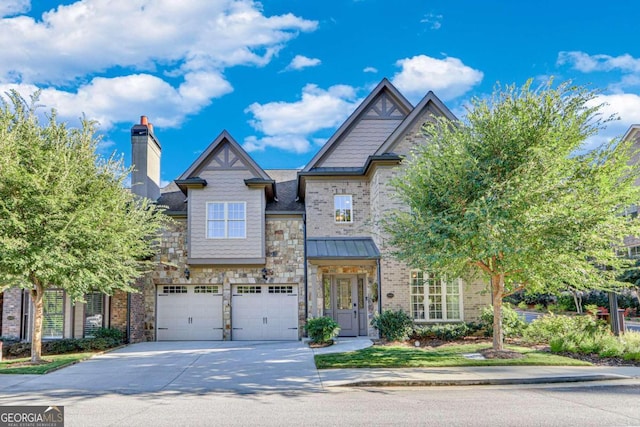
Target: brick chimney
x=145, y=157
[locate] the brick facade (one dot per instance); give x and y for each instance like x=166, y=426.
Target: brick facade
x=11, y=313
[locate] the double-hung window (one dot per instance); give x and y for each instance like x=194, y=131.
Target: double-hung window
x=343, y=208
x=93, y=313
x=53, y=314
x=226, y=220
x=433, y=298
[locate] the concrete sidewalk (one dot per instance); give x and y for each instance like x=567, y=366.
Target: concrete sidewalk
x=463, y=376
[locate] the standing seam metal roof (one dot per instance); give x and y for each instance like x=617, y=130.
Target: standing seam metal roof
x=342, y=248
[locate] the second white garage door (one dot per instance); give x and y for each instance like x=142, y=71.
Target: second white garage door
x=264, y=312
x=189, y=312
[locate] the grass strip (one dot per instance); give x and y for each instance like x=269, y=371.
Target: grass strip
x=445, y=356
x=57, y=361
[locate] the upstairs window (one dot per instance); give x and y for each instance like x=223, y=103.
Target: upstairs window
x=343, y=208
x=226, y=220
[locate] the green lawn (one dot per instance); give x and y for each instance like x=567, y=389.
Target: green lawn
x=15, y=366
x=450, y=355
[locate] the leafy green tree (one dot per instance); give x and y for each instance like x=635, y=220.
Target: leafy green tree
x=66, y=220
x=508, y=194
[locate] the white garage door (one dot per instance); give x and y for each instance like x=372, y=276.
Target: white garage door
x=189, y=312
x=264, y=312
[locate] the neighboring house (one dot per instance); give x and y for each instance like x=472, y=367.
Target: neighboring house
x=632, y=244
x=254, y=253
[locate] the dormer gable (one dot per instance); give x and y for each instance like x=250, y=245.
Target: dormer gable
x=365, y=130
x=429, y=107
x=225, y=154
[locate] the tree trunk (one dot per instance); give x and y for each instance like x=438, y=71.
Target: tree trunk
x=577, y=300
x=497, y=289
x=37, y=294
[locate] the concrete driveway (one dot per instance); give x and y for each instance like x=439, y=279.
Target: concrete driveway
x=192, y=367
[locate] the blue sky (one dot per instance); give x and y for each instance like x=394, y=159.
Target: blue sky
x=282, y=75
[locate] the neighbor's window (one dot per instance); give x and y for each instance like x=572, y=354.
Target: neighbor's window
x=226, y=220
x=343, y=208
x=93, y=313
x=433, y=298
x=53, y=311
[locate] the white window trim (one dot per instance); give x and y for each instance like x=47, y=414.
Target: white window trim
x=226, y=220
x=334, y=208
x=443, y=287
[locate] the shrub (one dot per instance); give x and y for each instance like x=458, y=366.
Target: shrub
x=512, y=323
x=61, y=346
x=546, y=328
x=393, y=325
x=111, y=333
x=566, y=302
x=322, y=329
x=450, y=332
x=445, y=332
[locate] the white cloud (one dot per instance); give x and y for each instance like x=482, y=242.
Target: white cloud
x=191, y=41
x=300, y=62
x=296, y=143
x=14, y=7
x=111, y=100
x=433, y=20
x=448, y=78
x=626, y=106
x=318, y=109
x=370, y=70
x=290, y=125
x=589, y=63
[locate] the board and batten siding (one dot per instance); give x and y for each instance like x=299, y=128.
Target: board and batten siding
x=360, y=143
x=226, y=186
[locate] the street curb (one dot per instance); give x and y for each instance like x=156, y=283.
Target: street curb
x=494, y=381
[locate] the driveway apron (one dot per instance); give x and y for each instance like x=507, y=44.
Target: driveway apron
x=190, y=367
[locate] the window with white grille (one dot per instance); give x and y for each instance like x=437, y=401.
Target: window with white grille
x=433, y=298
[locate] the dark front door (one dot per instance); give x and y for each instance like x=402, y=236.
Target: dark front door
x=341, y=303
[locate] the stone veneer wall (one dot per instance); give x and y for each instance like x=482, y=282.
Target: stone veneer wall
x=284, y=262
x=11, y=313
x=316, y=297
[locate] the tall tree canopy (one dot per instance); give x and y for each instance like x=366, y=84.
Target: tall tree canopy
x=66, y=219
x=509, y=192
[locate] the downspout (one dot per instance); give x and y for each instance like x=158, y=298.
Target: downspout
x=306, y=279
x=379, y=287
x=128, y=317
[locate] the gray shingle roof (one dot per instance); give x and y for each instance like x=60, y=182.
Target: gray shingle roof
x=342, y=248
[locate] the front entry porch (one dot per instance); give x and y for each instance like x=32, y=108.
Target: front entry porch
x=344, y=301
x=343, y=282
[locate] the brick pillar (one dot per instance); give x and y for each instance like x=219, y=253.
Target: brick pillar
x=119, y=311
x=11, y=313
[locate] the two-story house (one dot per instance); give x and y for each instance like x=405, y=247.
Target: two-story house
x=254, y=253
